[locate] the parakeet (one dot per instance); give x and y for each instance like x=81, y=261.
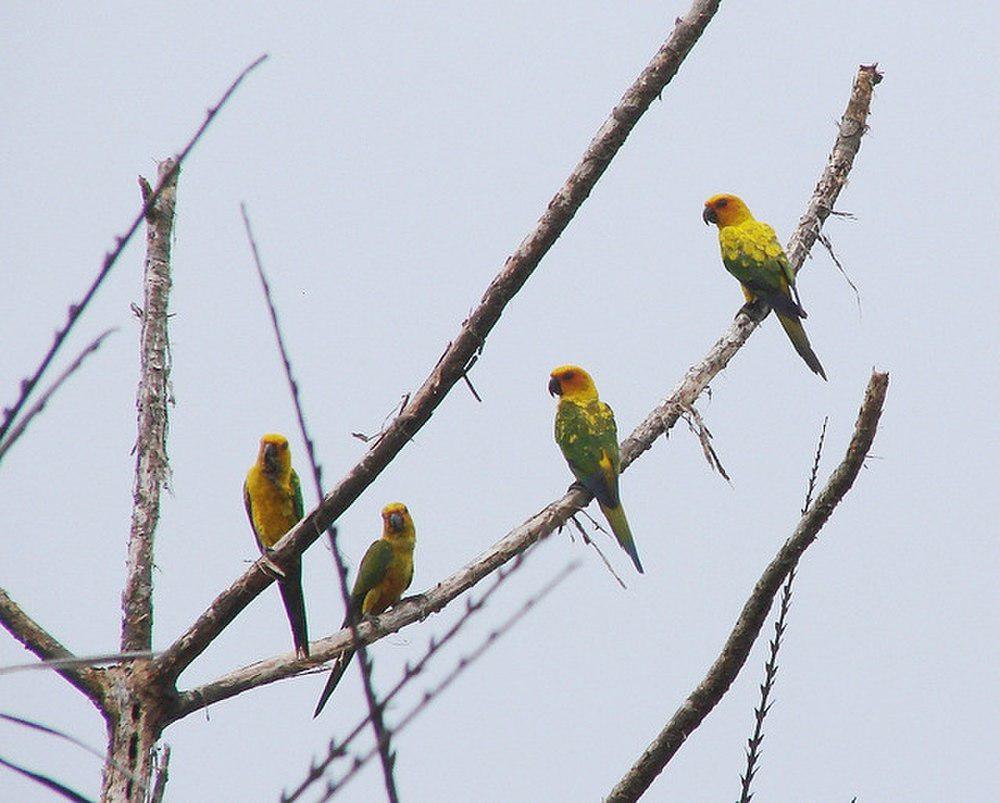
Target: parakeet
x=752, y=253
x=588, y=437
x=273, y=499
x=386, y=571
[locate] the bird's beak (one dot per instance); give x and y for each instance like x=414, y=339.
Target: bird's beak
x=395, y=522
x=709, y=216
x=271, y=457
x=555, y=389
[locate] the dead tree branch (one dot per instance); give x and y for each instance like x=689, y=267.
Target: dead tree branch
x=539, y=526
x=737, y=647
x=151, y=464
x=35, y=638
x=451, y=367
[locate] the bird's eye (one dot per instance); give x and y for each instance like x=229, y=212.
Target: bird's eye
x=721, y=203
x=568, y=376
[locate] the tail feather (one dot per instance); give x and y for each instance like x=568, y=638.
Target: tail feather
x=798, y=337
x=619, y=526
x=295, y=609
x=339, y=667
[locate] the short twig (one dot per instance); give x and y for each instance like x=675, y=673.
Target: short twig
x=697, y=426
x=825, y=241
x=588, y=540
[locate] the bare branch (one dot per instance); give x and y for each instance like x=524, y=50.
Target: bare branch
x=463, y=663
x=44, y=780
x=382, y=735
x=734, y=654
x=76, y=310
x=853, y=125
x=39, y=405
x=35, y=638
x=472, y=606
x=771, y=665
x=452, y=365
x=151, y=464
x=78, y=661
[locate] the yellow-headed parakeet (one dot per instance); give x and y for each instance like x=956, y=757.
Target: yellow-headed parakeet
x=386, y=571
x=273, y=498
x=588, y=437
x=752, y=253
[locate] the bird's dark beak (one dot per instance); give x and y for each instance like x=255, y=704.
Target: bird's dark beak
x=555, y=389
x=709, y=216
x=395, y=522
x=271, y=458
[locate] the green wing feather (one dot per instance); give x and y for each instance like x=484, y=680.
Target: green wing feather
x=298, y=506
x=371, y=572
x=588, y=438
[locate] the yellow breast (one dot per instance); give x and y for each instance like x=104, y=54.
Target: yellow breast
x=272, y=506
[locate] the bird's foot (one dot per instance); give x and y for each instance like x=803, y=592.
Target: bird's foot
x=755, y=310
x=271, y=568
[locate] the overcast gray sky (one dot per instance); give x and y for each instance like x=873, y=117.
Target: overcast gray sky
x=392, y=156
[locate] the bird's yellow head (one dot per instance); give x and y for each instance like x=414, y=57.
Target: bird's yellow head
x=274, y=456
x=725, y=210
x=396, y=523
x=573, y=383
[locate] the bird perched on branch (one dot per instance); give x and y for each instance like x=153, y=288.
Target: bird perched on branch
x=386, y=571
x=587, y=434
x=273, y=499
x=752, y=253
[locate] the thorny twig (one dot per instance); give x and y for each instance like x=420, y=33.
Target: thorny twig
x=771, y=665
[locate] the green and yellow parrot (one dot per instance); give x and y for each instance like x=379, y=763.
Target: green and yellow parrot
x=752, y=253
x=386, y=571
x=588, y=437
x=273, y=498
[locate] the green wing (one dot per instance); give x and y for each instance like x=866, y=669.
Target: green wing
x=248, y=504
x=757, y=259
x=588, y=437
x=372, y=571
x=298, y=507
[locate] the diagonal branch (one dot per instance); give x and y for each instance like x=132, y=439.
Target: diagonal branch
x=539, y=526
x=151, y=465
x=737, y=647
x=39, y=405
x=382, y=734
x=76, y=310
x=35, y=638
x=853, y=126
x=451, y=367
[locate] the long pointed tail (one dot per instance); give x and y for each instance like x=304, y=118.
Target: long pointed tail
x=339, y=667
x=295, y=609
x=619, y=526
x=793, y=328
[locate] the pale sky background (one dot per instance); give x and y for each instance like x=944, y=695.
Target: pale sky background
x=392, y=156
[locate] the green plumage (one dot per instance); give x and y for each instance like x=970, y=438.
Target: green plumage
x=588, y=437
x=751, y=252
